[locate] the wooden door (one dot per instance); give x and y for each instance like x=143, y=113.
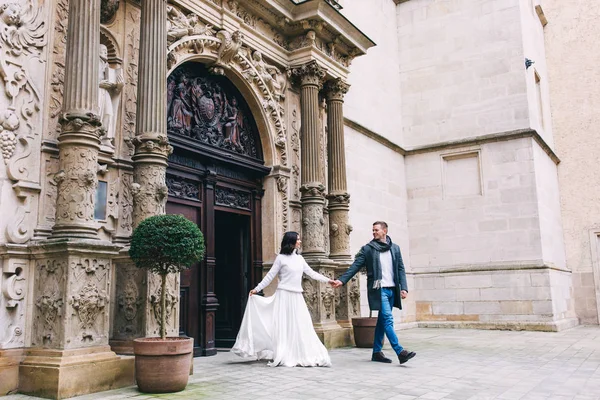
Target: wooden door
x=232, y=273
x=189, y=307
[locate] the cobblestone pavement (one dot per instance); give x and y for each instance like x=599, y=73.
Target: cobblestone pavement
x=450, y=364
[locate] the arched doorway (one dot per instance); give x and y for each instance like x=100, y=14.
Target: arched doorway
x=215, y=177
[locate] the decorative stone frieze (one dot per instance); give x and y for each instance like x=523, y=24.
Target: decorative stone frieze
x=23, y=37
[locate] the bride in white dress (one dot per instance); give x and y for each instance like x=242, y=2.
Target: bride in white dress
x=279, y=328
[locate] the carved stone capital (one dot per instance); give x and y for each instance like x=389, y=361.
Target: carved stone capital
x=77, y=123
x=338, y=199
x=336, y=89
x=151, y=145
x=312, y=190
x=309, y=74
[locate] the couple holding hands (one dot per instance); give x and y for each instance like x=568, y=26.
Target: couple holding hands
x=279, y=328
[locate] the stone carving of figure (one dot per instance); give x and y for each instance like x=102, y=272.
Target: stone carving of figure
x=270, y=74
x=180, y=25
x=111, y=83
x=181, y=111
x=230, y=45
x=232, y=122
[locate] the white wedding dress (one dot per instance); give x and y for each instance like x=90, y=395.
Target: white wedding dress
x=279, y=328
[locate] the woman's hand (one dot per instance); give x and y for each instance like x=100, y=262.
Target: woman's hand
x=253, y=292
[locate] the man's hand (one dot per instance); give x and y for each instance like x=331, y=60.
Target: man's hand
x=336, y=284
x=403, y=294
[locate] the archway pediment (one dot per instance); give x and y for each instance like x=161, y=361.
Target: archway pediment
x=224, y=53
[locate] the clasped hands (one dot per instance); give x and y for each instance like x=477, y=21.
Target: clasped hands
x=335, y=283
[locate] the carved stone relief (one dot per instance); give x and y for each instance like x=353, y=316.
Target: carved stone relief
x=130, y=89
x=125, y=207
x=89, y=283
x=149, y=192
x=153, y=312
x=312, y=227
x=183, y=188
x=77, y=184
x=14, y=290
x=208, y=109
x=282, y=187
x=49, y=301
x=47, y=208
x=127, y=321
x=354, y=297
x=55, y=93
x=108, y=10
x=22, y=41
x=233, y=198
x=311, y=297
x=228, y=51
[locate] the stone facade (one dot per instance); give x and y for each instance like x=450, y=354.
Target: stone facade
x=456, y=129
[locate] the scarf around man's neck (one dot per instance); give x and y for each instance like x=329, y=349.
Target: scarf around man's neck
x=379, y=247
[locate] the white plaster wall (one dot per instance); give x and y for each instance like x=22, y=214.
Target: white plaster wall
x=373, y=100
x=500, y=226
x=376, y=183
x=461, y=69
x=574, y=81
x=553, y=246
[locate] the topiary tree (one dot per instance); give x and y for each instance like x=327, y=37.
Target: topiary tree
x=165, y=244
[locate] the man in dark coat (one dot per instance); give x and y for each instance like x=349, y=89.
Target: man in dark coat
x=386, y=286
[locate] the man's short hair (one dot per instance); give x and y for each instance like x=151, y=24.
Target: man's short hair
x=381, y=224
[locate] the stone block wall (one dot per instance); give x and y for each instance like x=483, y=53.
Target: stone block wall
x=525, y=297
x=574, y=101
x=378, y=193
x=461, y=69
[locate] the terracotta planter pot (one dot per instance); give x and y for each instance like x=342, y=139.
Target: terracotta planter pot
x=364, y=331
x=162, y=366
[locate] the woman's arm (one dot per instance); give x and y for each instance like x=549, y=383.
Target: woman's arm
x=313, y=274
x=269, y=277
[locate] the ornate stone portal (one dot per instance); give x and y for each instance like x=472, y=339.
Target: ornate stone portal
x=85, y=156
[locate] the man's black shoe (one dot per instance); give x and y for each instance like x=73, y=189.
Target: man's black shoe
x=404, y=356
x=379, y=357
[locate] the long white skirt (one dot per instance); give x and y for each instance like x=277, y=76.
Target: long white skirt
x=279, y=328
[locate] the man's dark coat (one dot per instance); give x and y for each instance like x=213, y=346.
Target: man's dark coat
x=365, y=257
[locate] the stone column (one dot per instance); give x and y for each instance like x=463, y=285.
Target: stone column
x=79, y=140
x=311, y=76
x=151, y=144
x=70, y=325
x=135, y=314
x=339, y=199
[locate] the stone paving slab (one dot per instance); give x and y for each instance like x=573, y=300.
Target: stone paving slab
x=451, y=364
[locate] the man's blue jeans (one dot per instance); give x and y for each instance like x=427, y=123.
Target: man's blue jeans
x=385, y=323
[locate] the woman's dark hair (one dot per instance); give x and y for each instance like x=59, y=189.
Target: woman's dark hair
x=288, y=243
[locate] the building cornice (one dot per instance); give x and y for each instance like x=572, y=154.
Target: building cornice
x=472, y=141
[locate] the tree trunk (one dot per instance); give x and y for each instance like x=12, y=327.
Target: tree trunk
x=163, y=307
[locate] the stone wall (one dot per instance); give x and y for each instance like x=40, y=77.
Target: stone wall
x=380, y=70
x=573, y=83
x=378, y=193
x=461, y=69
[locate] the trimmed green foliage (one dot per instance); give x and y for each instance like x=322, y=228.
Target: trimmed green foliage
x=166, y=244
